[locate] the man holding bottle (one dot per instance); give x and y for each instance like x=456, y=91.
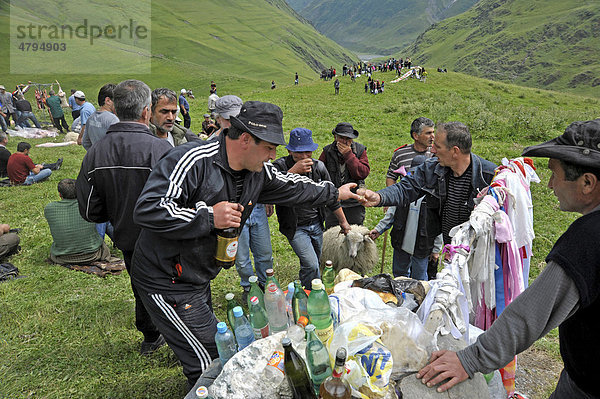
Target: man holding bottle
x=195, y=191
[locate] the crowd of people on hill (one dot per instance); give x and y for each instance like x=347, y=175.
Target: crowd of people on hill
x=181, y=191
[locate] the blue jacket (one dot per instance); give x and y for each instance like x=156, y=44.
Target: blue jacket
x=430, y=179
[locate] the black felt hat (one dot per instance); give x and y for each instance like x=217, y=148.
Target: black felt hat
x=579, y=145
x=263, y=120
x=346, y=130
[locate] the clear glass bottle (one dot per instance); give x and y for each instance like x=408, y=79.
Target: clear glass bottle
x=275, y=304
x=335, y=386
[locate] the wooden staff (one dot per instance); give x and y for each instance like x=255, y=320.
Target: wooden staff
x=385, y=235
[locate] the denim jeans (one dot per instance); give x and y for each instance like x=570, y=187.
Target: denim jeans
x=3, y=124
x=28, y=115
x=255, y=237
x=404, y=264
x=33, y=178
x=104, y=229
x=307, y=244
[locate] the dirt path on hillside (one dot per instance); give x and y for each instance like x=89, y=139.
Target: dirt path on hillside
x=537, y=373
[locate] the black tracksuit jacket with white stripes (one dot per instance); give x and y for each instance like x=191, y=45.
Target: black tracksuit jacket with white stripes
x=113, y=174
x=174, y=253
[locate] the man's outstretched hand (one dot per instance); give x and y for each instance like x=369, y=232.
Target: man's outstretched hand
x=368, y=198
x=344, y=192
x=443, y=365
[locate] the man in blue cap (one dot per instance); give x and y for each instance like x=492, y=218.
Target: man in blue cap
x=303, y=226
x=195, y=190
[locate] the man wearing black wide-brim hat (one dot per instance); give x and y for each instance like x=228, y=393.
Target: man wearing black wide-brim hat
x=196, y=189
x=567, y=292
x=347, y=162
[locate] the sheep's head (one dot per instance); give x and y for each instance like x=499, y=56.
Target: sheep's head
x=355, y=242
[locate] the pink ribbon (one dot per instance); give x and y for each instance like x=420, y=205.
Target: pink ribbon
x=450, y=249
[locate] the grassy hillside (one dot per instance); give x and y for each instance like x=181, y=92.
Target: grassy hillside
x=65, y=334
x=377, y=27
x=239, y=44
x=549, y=44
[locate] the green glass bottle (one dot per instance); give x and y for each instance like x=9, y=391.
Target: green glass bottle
x=317, y=358
x=299, y=302
x=231, y=303
x=328, y=277
x=256, y=291
x=258, y=319
x=296, y=372
x=319, y=311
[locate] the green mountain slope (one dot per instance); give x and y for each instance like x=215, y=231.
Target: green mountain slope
x=378, y=26
x=540, y=43
x=236, y=42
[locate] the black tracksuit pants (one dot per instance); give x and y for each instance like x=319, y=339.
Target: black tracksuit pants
x=188, y=324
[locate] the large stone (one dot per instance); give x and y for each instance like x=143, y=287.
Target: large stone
x=241, y=377
x=475, y=388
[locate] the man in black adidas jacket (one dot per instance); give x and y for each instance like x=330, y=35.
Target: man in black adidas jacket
x=112, y=175
x=196, y=188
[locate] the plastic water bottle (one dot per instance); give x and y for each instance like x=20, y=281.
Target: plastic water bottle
x=258, y=319
x=275, y=305
x=255, y=291
x=299, y=302
x=317, y=358
x=296, y=334
x=328, y=277
x=319, y=311
x=288, y=303
x=244, y=335
x=225, y=340
x=202, y=393
x=274, y=370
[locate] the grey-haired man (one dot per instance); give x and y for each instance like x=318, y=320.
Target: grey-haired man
x=567, y=292
x=112, y=175
x=192, y=192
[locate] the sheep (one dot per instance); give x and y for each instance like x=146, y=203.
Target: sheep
x=355, y=251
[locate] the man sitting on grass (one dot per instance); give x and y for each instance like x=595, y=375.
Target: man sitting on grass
x=76, y=241
x=9, y=242
x=22, y=170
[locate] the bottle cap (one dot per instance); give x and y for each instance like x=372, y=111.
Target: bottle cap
x=229, y=296
x=309, y=328
x=202, y=392
x=340, y=356
x=302, y=320
x=237, y=311
x=253, y=279
x=328, y=263
x=254, y=300
x=286, y=342
x=221, y=327
x=269, y=272
x=317, y=284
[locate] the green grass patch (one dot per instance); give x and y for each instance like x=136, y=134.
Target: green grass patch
x=66, y=334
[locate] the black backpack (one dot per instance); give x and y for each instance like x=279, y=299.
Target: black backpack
x=8, y=271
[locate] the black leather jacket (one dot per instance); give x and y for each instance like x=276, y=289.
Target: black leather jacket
x=286, y=215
